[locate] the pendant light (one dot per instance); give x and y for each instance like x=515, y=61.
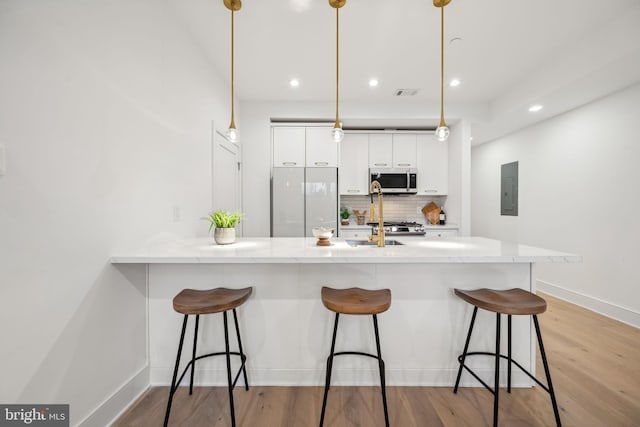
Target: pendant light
x=337, y=134
x=232, y=132
x=442, y=132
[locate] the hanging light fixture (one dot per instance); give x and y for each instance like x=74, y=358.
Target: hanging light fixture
x=232, y=132
x=337, y=133
x=442, y=132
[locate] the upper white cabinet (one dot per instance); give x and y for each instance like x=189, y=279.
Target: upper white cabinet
x=353, y=173
x=322, y=150
x=388, y=150
x=433, y=165
x=288, y=147
x=380, y=150
x=304, y=146
x=404, y=150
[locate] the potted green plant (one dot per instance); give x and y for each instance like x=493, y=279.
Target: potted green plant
x=344, y=214
x=224, y=223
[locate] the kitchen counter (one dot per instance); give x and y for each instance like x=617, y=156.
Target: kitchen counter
x=304, y=250
x=287, y=330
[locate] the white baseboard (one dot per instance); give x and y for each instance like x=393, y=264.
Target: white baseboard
x=107, y=412
x=622, y=314
x=342, y=377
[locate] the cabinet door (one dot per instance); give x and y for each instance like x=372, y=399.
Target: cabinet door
x=441, y=233
x=433, y=165
x=322, y=150
x=288, y=146
x=360, y=234
x=354, y=164
x=380, y=151
x=404, y=150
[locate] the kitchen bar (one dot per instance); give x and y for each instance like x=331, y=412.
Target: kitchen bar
x=287, y=330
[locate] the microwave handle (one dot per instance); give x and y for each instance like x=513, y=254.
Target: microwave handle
x=408, y=180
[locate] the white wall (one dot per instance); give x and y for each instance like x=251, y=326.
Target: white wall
x=578, y=174
x=105, y=112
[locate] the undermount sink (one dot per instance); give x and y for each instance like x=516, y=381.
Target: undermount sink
x=354, y=243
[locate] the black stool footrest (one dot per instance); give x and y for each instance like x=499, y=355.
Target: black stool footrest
x=220, y=353
x=357, y=353
x=502, y=356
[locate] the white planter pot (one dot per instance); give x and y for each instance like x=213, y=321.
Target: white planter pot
x=224, y=236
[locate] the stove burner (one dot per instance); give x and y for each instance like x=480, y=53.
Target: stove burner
x=399, y=228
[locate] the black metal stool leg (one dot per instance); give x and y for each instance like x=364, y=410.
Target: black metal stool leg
x=175, y=372
x=329, y=368
x=496, y=389
x=230, y=381
x=243, y=358
x=547, y=372
x=193, y=355
x=509, y=353
x=383, y=384
x=466, y=347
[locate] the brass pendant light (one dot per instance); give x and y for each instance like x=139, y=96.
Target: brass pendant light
x=337, y=134
x=442, y=132
x=232, y=132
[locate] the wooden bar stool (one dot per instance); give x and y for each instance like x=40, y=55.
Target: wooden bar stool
x=197, y=302
x=356, y=301
x=509, y=302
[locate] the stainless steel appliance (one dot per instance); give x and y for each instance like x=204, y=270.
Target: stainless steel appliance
x=399, y=228
x=396, y=180
x=303, y=198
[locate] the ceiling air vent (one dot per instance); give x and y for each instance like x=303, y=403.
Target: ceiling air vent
x=405, y=92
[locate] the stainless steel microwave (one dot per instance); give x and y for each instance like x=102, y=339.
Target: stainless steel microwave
x=395, y=180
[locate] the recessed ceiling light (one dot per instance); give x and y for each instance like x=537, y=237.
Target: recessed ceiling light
x=455, y=82
x=294, y=82
x=373, y=82
x=535, y=108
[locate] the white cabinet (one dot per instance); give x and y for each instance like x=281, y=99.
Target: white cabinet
x=354, y=165
x=360, y=233
x=321, y=149
x=304, y=146
x=433, y=166
x=380, y=150
x=441, y=233
x=404, y=150
x=288, y=147
x=392, y=150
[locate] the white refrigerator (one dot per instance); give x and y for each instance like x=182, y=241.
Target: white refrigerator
x=303, y=198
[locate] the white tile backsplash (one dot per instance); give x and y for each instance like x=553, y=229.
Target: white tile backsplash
x=396, y=208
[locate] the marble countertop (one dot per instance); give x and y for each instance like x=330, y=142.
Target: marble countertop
x=305, y=250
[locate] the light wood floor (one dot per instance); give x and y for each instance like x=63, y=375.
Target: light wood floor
x=595, y=366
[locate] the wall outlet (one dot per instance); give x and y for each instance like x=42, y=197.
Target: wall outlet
x=176, y=213
x=3, y=161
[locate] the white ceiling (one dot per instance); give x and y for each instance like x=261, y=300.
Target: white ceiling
x=561, y=53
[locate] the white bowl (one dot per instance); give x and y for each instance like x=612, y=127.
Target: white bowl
x=322, y=232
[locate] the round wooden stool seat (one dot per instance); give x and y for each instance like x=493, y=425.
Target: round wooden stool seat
x=356, y=300
x=193, y=301
x=511, y=301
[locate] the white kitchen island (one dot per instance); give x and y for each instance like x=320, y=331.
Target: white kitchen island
x=286, y=329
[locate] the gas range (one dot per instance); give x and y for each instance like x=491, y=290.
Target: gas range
x=399, y=228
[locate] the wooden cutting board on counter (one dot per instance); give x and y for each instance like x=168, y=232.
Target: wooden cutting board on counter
x=431, y=211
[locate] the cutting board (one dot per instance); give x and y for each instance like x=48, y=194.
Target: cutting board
x=431, y=211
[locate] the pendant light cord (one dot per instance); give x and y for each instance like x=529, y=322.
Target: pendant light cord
x=233, y=124
x=337, y=124
x=442, y=122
